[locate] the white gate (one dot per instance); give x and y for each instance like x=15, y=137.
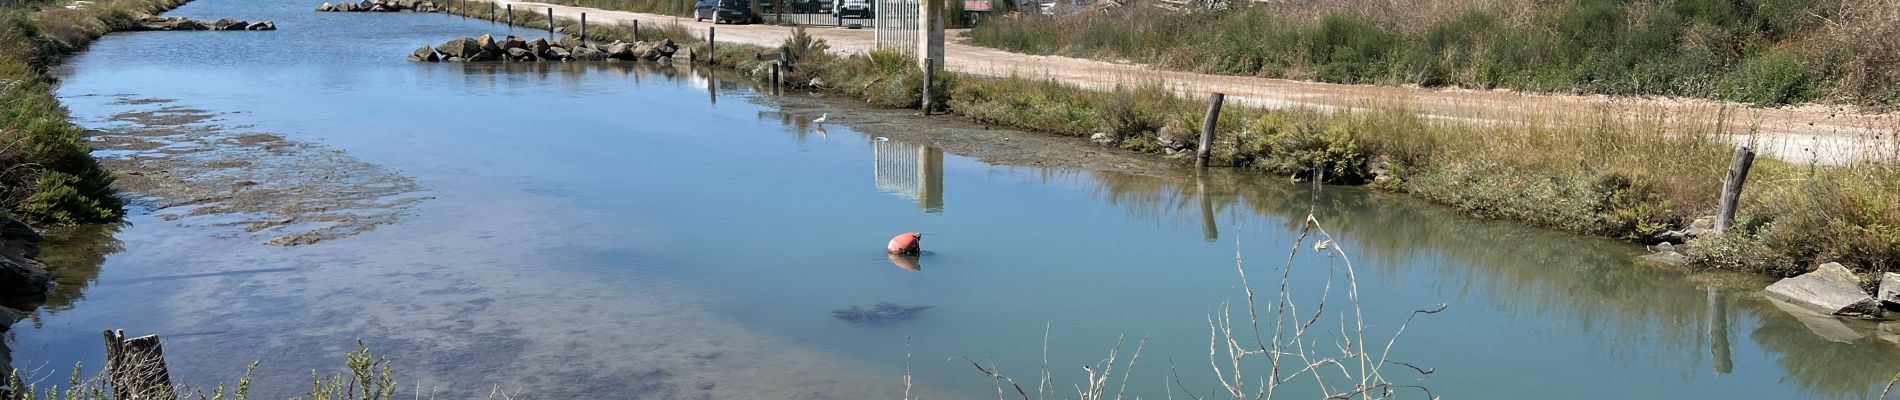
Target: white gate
x=895, y=25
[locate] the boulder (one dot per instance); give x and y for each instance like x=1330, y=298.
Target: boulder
x=1174, y=137
x=17, y=238
x=620, y=51
x=588, y=53
x=458, y=48
x=556, y=54
x=484, y=55
x=228, y=24
x=365, y=5
x=345, y=7
x=326, y=7
x=1102, y=138
x=1830, y=289
x=519, y=54
x=539, y=47
x=190, y=25
x=378, y=8
x=487, y=43
x=454, y=59
x=1889, y=293
x=264, y=26
x=513, y=42
x=571, y=41
x=424, y=53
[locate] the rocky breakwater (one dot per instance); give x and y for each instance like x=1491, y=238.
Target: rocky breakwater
x=24, y=281
x=380, y=6
x=154, y=23
x=570, y=48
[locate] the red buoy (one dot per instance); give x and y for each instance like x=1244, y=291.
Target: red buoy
x=905, y=244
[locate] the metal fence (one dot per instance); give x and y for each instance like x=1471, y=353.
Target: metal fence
x=910, y=171
x=895, y=25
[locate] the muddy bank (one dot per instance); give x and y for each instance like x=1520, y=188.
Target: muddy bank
x=184, y=162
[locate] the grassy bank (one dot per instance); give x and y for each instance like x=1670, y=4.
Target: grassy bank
x=1618, y=171
x=47, y=174
x=1757, y=51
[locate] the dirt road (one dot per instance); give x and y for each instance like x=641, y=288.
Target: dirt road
x=1822, y=134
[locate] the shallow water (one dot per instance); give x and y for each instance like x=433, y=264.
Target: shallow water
x=618, y=231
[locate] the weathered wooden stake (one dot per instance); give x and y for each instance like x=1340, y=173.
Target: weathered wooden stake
x=1207, y=129
x=1732, y=187
x=550, y=23
x=511, y=14
x=491, y=12
x=636, y=31
x=778, y=69
x=583, y=28
x=710, y=43
x=135, y=368
x=930, y=75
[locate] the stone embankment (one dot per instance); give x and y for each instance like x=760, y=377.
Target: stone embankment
x=153, y=23
x=381, y=6
x=570, y=48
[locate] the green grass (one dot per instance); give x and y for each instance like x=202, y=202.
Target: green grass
x=1765, y=52
x=47, y=174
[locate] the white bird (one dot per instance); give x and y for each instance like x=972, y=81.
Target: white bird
x=883, y=139
x=821, y=118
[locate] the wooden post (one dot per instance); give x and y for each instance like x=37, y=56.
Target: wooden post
x=1207, y=129
x=135, y=367
x=550, y=23
x=511, y=14
x=778, y=69
x=463, y=9
x=710, y=32
x=778, y=10
x=930, y=75
x=1732, y=187
x=583, y=28
x=1210, y=231
x=491, y=12
x=636, y=31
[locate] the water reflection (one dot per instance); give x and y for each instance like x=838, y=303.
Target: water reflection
x=911, y=171
x=1586, y=289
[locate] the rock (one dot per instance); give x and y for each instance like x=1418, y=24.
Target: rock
x=228, y=24
x=1174, y=137
x=424, y=53
x=1668, y=237
x=1667, y=257
x=571, y=41
x=1692, y=232
x=588, y=53
x=512, y=42
x=1831, y=289
x=454, y=59
x=1102, y=138
x=17, y=238
x=344, y=7
x=487, y=43
x=519, y=54
x=378, y=8
x=326, y=7
x=1827, y=327
x=458, y=48
x=189, y=25
x=484, y=55
x=1380, y=168
x=1707, y=222
x=556, y=54
x=539, y=47
x=365, y=5
x=884, y=311
x=264, y=26
x=1889, y=293
x=620, y=51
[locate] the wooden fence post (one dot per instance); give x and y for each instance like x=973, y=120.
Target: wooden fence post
x=710, y=42
x=636, y=31
x=930, y=75
x=511, y=14
x=1732, y=187
x=583, y=28
x=550, y=22
x=135, y=368
x=1207, y=129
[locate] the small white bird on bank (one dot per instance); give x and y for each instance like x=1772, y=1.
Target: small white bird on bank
x=883, y=139
x=822, y=117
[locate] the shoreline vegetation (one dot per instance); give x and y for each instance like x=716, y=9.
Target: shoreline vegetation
x=1617, y=171
x=1762, y=52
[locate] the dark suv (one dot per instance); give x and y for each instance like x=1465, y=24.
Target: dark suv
x=723, y=11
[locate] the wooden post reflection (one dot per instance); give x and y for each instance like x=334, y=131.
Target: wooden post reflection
x=1209, y=230
x=1722, y=358
x=930, y=179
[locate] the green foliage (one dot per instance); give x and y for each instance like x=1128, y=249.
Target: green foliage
x=1669, y=47
x=47, y=174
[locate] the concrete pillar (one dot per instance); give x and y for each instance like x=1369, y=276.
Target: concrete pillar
x=929, y=32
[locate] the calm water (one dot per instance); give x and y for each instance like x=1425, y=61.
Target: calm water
x=609, y=231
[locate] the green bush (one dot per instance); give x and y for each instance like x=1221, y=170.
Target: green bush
x=1768, y=78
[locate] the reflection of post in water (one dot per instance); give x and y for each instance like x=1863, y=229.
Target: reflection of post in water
x=1722, y=360
x=911, y=171
x=1209, y=231
x=712, y=86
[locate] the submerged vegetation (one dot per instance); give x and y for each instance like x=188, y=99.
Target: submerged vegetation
x=1757, y=51
x=47, y=174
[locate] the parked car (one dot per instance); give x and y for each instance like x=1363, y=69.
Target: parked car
x=724, y=11
x=853, y=9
